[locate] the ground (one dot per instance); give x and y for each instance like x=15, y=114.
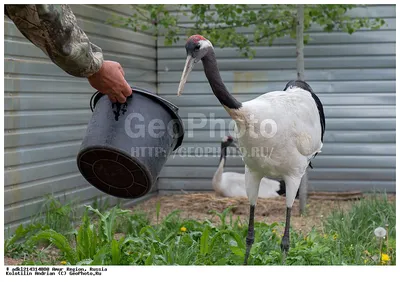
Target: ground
x=197, y=206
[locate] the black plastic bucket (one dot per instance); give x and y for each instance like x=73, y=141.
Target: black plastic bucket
x=127, y=145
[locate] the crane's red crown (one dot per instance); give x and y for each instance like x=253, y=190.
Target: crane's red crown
x=195, y=38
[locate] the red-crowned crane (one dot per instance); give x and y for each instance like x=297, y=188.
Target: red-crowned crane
x=299, y=119
x=232, y=184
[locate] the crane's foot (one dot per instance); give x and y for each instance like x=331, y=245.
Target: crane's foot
x=285, y=238
x=249, y=243
x=285, y=244
x=285, y=248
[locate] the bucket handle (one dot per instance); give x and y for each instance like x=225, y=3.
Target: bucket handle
x=91, y=101
x=93, y=104
x=172, y=106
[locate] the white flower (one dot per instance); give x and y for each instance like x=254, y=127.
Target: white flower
x=380, y=232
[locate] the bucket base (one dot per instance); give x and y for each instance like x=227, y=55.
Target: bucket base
x=114, y=173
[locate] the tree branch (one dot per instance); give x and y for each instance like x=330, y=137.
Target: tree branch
x=141, y=14
x=275, y=32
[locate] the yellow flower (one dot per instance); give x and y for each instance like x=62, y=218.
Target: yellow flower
x=273, y=231
x=385, y=257
x=183, y=229
x=365, y=261
x=63, y=262
x=325, y=236
x=335, y=236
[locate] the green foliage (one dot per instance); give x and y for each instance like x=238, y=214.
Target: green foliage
x=132, y=223
x=107, y=221
x=347, y=239
x=58, y=240
x=15, y=245
x=223, y=23
x=222, y=216
x=52, y=215
x=92, y=246
x=86, y=240
x=56, y=215
x=101, y=204
x=355, y=229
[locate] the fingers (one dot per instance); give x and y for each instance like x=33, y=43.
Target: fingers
x=121, y=69
x=127, y=91
x=112, y=99
x=121, y=98
x=110, y=80
x=117, y=98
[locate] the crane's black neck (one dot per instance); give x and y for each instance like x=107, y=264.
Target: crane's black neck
x=223, y=154
x=217, y=85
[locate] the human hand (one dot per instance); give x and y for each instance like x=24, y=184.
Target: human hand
x=110, y=80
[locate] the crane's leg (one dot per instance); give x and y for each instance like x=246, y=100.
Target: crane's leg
x=292, y=186
x=252, y=182
x=250, y=234
x=285, y=239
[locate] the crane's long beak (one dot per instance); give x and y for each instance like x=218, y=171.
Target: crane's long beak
x=188, y=68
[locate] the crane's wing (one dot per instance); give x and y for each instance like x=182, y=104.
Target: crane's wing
x=304, y=85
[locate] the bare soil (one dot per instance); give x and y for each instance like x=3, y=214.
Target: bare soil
x=198, y=206
x=11, y=261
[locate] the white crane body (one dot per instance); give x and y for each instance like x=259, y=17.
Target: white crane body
x=297, y=135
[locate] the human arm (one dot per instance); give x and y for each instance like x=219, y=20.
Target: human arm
x=54, y=29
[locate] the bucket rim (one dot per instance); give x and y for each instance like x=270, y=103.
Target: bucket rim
x=150, y=178
x=171, y=107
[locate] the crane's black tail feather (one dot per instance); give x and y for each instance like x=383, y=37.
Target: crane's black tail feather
x=282, y=189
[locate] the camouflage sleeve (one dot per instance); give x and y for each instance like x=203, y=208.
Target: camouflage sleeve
x=54, y=29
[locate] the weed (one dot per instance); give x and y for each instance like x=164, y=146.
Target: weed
x=56, y=215
x=353, y=231
x=347, y=239
x=15, y=245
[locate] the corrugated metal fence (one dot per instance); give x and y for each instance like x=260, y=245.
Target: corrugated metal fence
x=354, y=76
x=47, y=111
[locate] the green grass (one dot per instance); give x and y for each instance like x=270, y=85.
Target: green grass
x=347, y=239
x=355, y=229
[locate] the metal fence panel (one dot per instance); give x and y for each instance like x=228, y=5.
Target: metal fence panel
x=354, y=76
x=47, y=111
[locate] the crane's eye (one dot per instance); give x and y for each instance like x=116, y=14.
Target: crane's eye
x=197, y=47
